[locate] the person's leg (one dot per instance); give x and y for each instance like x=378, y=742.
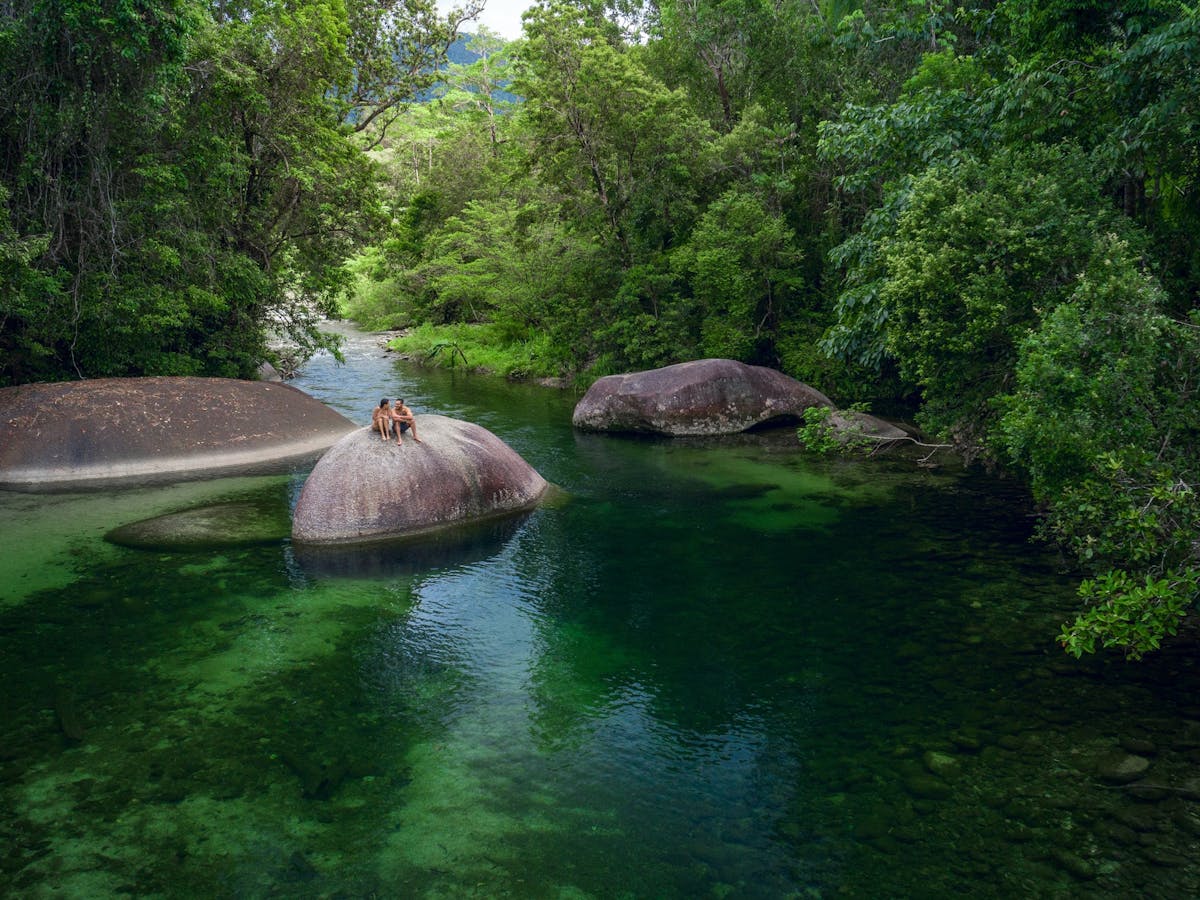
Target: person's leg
x=413, y=425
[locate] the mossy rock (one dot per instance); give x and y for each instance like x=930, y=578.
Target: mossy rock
x=231, y=523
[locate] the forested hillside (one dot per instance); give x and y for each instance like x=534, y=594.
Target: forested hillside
x=988, y=212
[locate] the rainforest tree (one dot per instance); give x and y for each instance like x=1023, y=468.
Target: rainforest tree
x=181, y=182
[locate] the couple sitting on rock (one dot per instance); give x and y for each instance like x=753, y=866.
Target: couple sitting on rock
x=385, y=418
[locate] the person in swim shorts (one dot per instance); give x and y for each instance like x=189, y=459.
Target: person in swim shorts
x=404, y=420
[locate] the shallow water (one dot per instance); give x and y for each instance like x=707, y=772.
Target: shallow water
x=722, y=669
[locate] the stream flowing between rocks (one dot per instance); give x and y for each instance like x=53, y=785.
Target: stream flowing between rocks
x=722, y=668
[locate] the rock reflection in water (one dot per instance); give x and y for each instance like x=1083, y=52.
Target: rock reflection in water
x=409, y=556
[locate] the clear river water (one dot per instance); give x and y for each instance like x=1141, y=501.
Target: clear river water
x=722, y=668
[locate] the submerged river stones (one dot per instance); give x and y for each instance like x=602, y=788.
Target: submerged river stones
x=1122, y=768
x=365, y=489
x=112, y=431
x=702, y=397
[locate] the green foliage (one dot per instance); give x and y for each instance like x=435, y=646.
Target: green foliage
x=181, y=185
x=1046, y=32
x=392, y=52
x=716, y=34
x=1133, y=615
x=941, y=115
x=483, y=348
x=741, y=263
x=480, y=89
x=1103, y=424
x=858, y=333
x=86, y=87
x=817, y=433
x=824, y=430
x=1095, y=374
x=374, y=299
x=625, y=152
x=989, y=260
x=27, y=294
x=1145, y=150
x=940, y=118
x=981, y=251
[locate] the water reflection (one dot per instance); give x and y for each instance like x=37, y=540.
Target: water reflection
x=409, y=556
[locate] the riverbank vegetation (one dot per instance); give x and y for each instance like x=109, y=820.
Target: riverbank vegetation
x=985, y=211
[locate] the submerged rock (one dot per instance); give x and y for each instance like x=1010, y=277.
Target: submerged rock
x=1140, y=746
x=1073, y=863
x=927, y=787
x=367, y=489
x=967, y=741
x=1141, y=818
x=228, y=524
x=703, y=397
x=1187, y=821
x=66, y=711
x=111, y=431
x=1122, y=768
x=941, y=764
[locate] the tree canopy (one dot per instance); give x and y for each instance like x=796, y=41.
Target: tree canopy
x=181, y=181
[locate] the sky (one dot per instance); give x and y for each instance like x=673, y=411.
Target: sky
x=502, y=16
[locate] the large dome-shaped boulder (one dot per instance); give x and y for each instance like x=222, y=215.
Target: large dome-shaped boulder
x=707, y=396
x=366, y=489
x=105, y=431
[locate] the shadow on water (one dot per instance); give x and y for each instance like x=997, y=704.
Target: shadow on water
x=450, y=547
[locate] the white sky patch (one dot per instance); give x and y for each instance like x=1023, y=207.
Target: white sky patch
x=501, y=16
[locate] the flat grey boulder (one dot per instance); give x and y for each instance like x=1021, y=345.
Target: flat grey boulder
x=703, y=397
x=114, y=431
x=366, y=489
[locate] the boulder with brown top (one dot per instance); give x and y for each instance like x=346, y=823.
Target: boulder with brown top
x=366, y=490
x=703, y=397
x=124, y=431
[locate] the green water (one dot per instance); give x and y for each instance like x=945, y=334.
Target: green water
x=722, y=669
